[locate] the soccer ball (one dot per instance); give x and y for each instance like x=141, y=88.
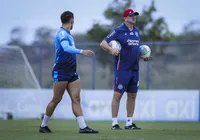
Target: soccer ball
x=145, y=51
x=115, y=44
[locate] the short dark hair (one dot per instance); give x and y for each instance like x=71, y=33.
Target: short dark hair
x=66, y=16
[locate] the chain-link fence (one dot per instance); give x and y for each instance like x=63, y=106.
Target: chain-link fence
x=175, y=65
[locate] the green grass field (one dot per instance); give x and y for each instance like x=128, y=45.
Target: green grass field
x=68, y=130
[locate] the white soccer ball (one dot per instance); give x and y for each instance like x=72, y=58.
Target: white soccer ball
x=145, y=51
x=115, y=44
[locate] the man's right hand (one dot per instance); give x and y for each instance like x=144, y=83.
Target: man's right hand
x=88, y=53
x=114, y=51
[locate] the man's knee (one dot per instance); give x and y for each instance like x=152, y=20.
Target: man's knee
x=76, y=99
x=117, y=96
x=132, y=96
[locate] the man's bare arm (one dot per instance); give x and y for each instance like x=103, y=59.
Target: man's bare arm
x=105, y=46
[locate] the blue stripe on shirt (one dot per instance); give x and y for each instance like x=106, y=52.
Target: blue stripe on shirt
x=70, y=49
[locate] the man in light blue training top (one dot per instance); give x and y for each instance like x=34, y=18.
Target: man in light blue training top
x=65, y=75
x=126, y=66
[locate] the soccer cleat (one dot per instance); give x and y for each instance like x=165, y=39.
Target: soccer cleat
x=45, y=129
x=88, y=130
x=132, y=127
x=116, y=127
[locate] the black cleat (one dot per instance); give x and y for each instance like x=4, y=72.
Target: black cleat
x=116, y=127
x=88, y=130
x=132, y=127
x=45, y=129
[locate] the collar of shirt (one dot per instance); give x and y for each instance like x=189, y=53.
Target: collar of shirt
x=123, y=26
x=65, y=30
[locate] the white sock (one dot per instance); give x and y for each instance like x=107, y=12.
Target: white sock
x=81, y=122
x=129, y=121
x=45, y=121
x=114, y=121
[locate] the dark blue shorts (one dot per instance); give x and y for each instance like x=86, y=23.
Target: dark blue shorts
x=126, y=81
x=63, y=76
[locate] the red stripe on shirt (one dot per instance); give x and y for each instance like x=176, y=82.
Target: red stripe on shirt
x=118, y=63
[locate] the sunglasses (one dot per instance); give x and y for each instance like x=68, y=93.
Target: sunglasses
x=131, y=15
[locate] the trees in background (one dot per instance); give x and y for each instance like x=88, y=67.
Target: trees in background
x=151, y=28
x=190, y=32
x=16, y=36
